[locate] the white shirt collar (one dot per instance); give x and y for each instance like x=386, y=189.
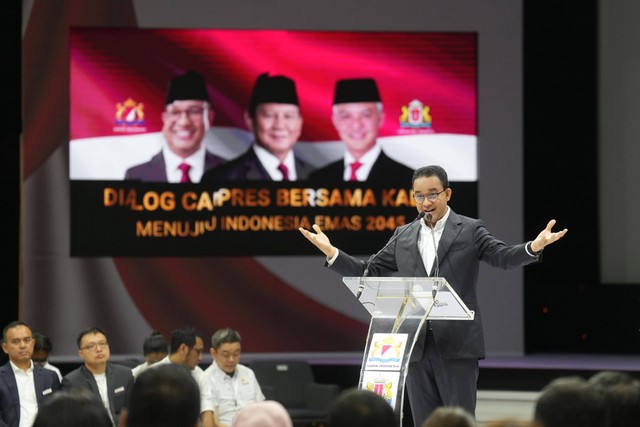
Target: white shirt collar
x=439, y=225
x=16, y=369
x=367, y=163
x=196, y=161
x=271, y=162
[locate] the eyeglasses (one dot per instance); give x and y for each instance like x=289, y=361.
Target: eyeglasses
x=94, y=346
x=193, y=113
x=432, y=197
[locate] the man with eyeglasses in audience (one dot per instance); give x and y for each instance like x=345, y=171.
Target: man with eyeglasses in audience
x=110, y=382
x=24, y=386
x=443, y=368
x=187, y=116
x=234, y=385
x=187, y=345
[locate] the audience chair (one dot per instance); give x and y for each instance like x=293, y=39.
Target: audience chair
x=291, y=382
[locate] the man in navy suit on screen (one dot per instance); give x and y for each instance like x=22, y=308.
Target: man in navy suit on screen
x=187, y=116
x=275, y=120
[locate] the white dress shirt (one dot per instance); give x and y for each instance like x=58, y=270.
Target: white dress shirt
x=172, y=161
x=207, y=398
x=271, y=162
x=367, y=162
x=233, y=391
x=26, y=394
x=426, y=241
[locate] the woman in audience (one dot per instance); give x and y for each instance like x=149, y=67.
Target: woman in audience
x=267, y=413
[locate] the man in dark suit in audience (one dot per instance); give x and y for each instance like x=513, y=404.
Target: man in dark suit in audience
x=358, y=115
x=187, y=116
x=276, y=122
x=24, y=386
x=111, y=383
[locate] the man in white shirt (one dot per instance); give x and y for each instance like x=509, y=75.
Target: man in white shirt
x=24, y=386
x=234, y=385
x=154, y=348
x=186, y=349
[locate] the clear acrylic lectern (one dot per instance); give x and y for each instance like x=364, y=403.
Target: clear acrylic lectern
x=399, y=306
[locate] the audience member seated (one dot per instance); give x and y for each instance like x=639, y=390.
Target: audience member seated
x=166, y=396
x=267, y=413
x=154, y=349
x=24, y=386
x=360, y=408
x=622, y=397
x=450, y=416
x=187, y=344
x=570, y=402
x=234, y=385
x=41, y=349
x=111, y=383
x=74, y=408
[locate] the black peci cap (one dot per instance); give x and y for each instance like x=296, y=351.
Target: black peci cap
x=278, y=89
x=187, y=86
x=356, y=90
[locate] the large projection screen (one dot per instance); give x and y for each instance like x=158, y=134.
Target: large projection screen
x=426, y=83
x=85, y=291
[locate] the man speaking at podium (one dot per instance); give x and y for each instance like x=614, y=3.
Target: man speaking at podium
x=443, y=369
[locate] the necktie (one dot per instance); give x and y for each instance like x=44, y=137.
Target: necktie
x=184, y=167
x=285, y=171
x=354, y=167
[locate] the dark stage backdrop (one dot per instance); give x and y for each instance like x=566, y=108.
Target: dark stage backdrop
x=280, y=303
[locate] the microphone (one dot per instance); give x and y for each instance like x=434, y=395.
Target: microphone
x=434, y=289
x=372, y=257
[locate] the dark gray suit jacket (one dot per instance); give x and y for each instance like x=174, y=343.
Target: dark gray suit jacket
x=247, y=167
x=155, y=169
x=119, y=384
x=46, y=383
x=464, y=243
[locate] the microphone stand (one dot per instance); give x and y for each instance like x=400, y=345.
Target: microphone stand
x=372, y=257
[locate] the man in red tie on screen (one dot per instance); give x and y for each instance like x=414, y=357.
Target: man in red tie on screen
x=187, y=116
x=358, y=115
x=276, y=122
